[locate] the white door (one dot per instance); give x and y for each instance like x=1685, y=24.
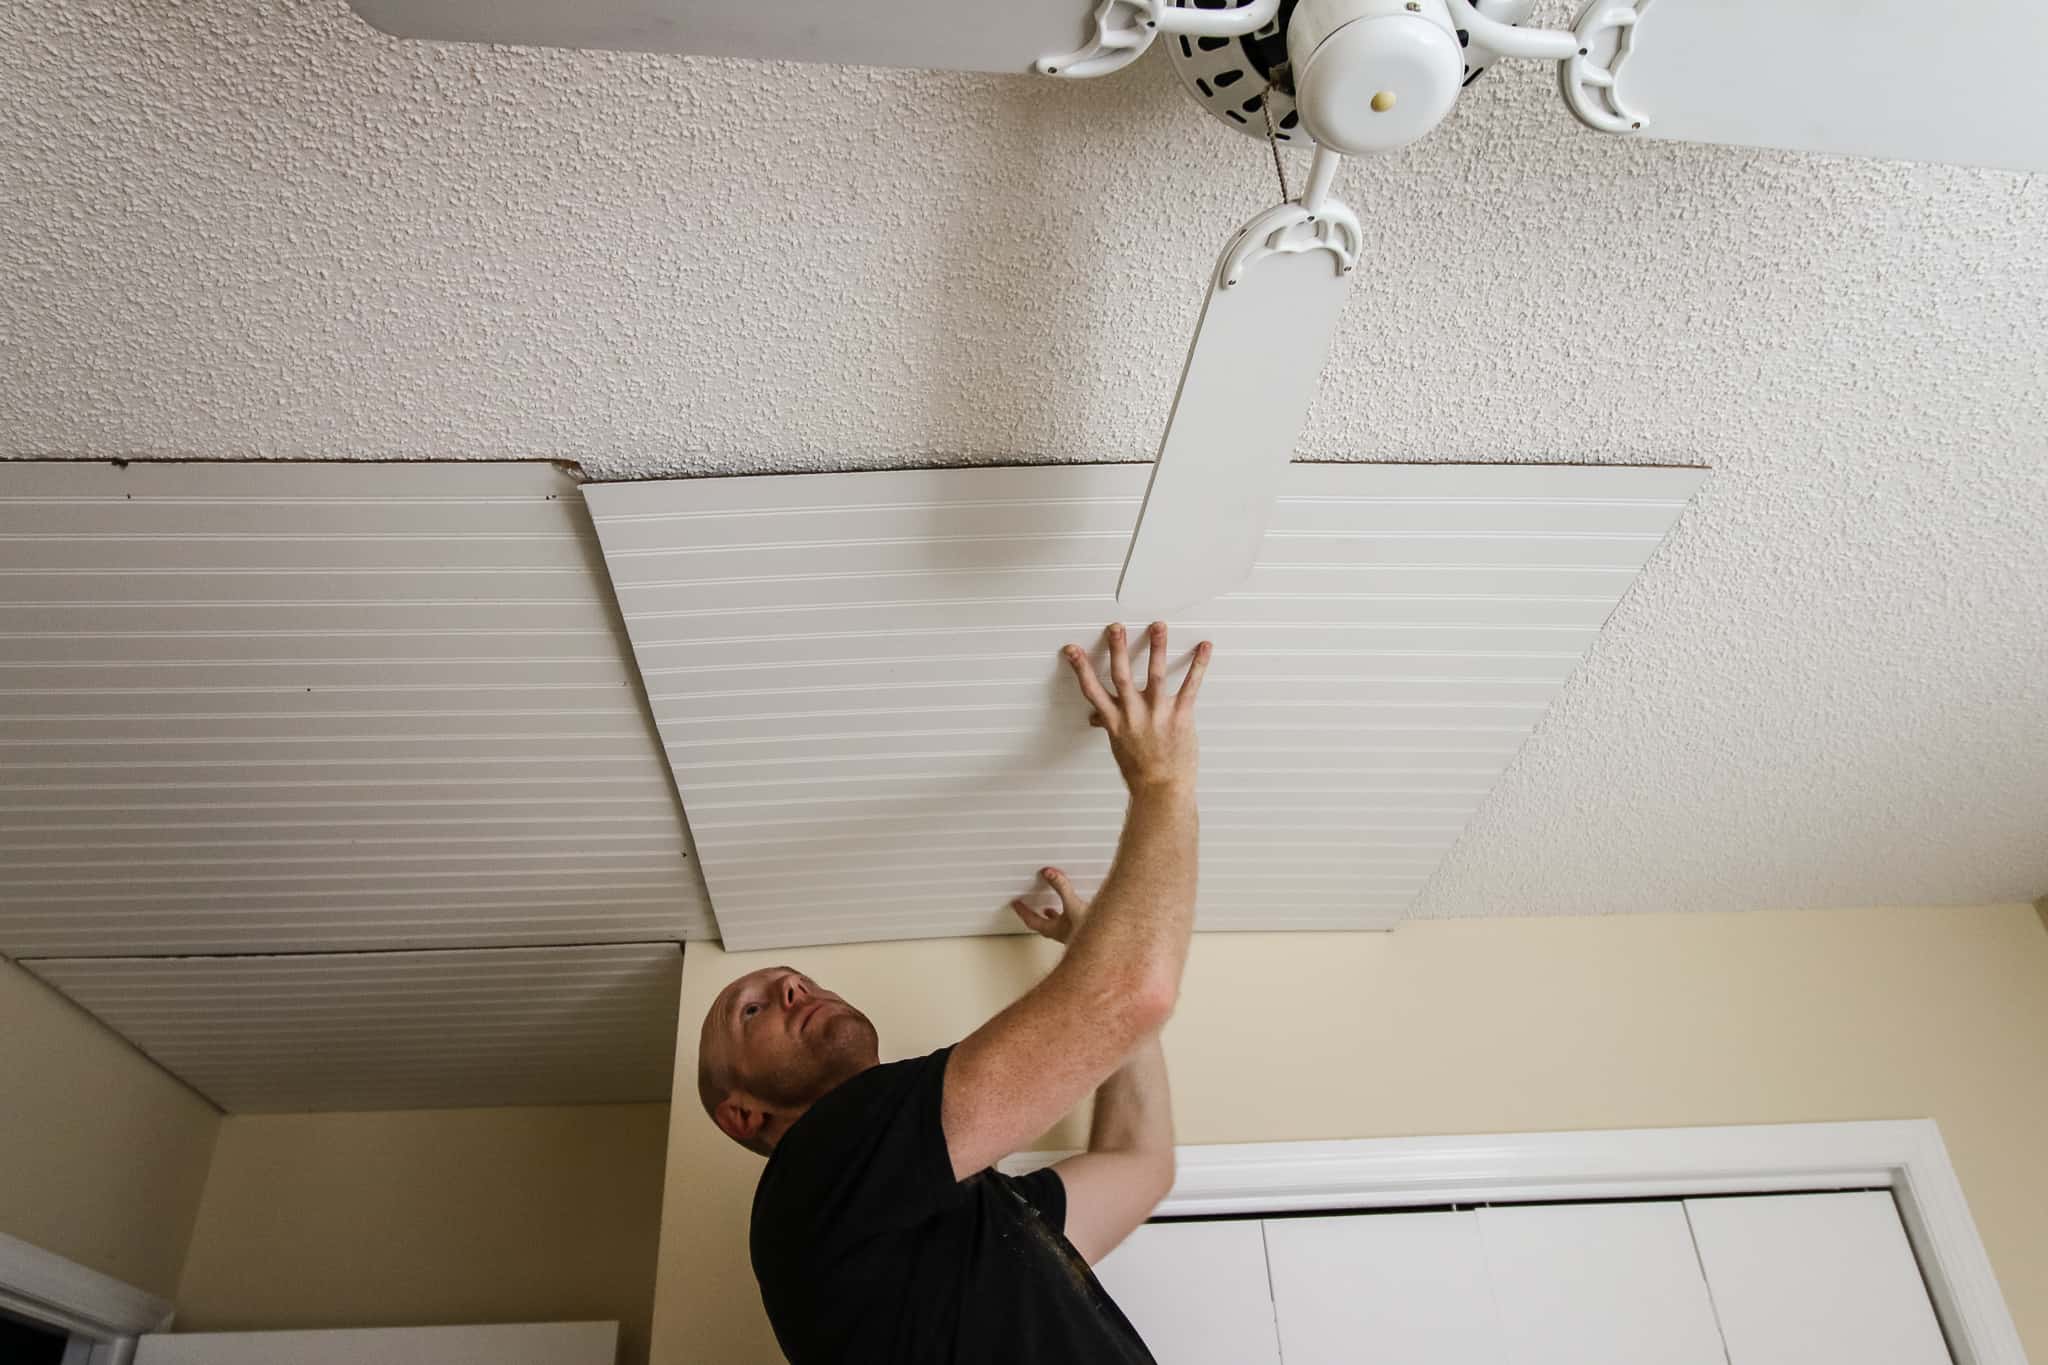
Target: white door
x=1773, y=1280
x=1809, y=1277
x=536, y=1343
x=1591, y=1284
x=1196, y=1292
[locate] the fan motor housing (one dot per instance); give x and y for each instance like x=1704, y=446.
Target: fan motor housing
x=1373, y=75
x=1237, y=79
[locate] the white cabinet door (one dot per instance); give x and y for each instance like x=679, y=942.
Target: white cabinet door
x=538, y=1343
x=1813, y=1277
x=1395, y=1287
x=1196, y=1292
x=1598, y=1284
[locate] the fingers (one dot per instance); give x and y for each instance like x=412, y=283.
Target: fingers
x=1091, y=686
x=1191, y=686
x=1070, y=899
x=1155, y=663
x=1048, y=922
x=1119, y=661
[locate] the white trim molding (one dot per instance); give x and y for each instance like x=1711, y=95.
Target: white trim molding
x=1905, y=1156
x=45, y=1287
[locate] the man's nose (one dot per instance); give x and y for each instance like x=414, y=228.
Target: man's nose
x=793, y=991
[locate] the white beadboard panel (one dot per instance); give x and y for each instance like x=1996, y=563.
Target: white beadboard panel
x=396, y=1030
x=857, y=682
x=301, y=707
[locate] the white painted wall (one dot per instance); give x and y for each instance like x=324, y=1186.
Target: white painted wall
x=102, y=1155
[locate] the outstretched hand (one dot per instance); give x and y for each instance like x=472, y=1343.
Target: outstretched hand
x=1151, y=731
x=1058, y=922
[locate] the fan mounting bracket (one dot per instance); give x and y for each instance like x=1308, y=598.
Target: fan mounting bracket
x=1124, y=29
x=1315, y=222
x=1288, y=229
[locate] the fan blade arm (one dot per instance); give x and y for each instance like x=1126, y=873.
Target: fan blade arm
x=1124, y=29
x=1510, y=40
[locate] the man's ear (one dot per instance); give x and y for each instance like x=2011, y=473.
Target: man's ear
x=740, y=1122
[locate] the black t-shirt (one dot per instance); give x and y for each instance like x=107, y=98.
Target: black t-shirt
x=867, y=1249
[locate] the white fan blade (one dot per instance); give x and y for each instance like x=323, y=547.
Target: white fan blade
x=961, y=35
x=1899, y=79
x=1244, y=393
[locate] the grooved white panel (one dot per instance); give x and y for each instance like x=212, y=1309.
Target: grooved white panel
x=856, y=677
x=305, y=706
x=1815, y=1277
x=396, y=1030
x=1197, y=1292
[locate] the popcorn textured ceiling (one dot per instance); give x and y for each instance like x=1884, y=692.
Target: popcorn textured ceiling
x=256, y=228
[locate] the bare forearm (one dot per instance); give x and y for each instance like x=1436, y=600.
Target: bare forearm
x=1136, y=935
x=1134, y=1108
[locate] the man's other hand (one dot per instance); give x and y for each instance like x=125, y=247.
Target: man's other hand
x=1151, y=731
x=1058, y=922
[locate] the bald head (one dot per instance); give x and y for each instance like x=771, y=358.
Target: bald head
x=773, y=1043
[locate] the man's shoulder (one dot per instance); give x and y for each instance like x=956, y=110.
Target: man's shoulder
x=849, y=1110
x=833, y=1144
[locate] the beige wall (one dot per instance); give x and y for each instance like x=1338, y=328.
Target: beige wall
x=102, y=1154
x=430, y=1216
x=1486, y=1026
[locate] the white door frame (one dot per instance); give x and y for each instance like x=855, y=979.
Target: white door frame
x=45, y=1287
x=1905, y=1156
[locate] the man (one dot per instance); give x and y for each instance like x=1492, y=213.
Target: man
x=880, y=1233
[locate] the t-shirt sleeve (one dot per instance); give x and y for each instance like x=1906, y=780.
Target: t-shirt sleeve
x=1046, y=1191
x=869, y=1158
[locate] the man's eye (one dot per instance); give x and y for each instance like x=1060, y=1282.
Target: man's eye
x=750, y=1011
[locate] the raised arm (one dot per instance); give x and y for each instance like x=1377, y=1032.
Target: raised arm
x=1128, y=1167
x=1016, y=1075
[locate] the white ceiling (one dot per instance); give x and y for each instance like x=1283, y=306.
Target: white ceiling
x=256, y=1034
x=293, y=707
x=232, y=228
x=266, y=709
x=858, y=683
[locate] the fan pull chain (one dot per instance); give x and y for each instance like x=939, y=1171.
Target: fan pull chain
x=1273, y=141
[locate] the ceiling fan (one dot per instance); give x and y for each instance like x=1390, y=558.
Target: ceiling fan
x=1901, y=79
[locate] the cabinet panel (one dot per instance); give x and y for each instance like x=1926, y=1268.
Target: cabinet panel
x=1800, y=1278
x=1196, y=1292
x=1407, y=1287
x=1598, y=1284
x=531, y=1343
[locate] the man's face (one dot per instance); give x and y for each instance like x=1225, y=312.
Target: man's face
x=777, y=1041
